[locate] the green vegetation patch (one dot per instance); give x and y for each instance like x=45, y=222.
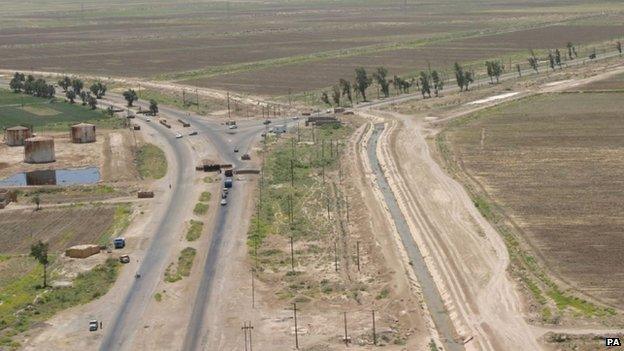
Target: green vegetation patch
x=205, y=196
x=183, y=268
x=195, y=230
x=25, y=303
x=49, y=114
x=151, y=162
x=200, y=208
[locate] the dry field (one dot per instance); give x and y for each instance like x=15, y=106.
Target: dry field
x=61, y=227
x=551, y=165
x=269, y=47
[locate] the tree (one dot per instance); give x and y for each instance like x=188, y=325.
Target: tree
x=346, y=89
x=438, y=82
x=519, y=70
x=17, y=83
x=425, y=85
x=77, y=86
x=618, y=46
x=558, y=58
x=131, y=96
x=336, y=95
x=569, y=45
x=325, y=98
x=494, y=70
x=551, y=60
x=65, y=83
x=29, y=85
x=380, y=77
x=488, y=66
x=71, y=95
x=37, y=201
x=91, y=101
x=463, y=78
x=362, y=81
x=533, y=62
x=459, y=76
x=83, y=97
x=153, y=107
x=40, y=252
x=98, y=89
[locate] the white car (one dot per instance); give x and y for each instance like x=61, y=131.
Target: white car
x=223, y=202
x=148, y=120
x=232, y=126
x=178, y=135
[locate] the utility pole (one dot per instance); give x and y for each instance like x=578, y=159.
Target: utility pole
x=346, y=336
x=374, y=331
x=347, y=206
x=253, y=290
x=247, y=328
x=292, y=253
x=296, y=332
x=336, y=256
x=358, y=254
x=197, y=99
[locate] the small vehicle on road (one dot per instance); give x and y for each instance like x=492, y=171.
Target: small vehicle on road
x=268, y=121
x=245, y=157
x=223, y=202
x=148, y=119
x=193, y=132
x=236, y=149
x=223, y=195
x=124, y=259
x=226, y=191
x=93, y=325
x=232, y=126
x=178, y=135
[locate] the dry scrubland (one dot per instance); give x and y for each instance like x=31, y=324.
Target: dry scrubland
x=549, y=168
x=269, y=47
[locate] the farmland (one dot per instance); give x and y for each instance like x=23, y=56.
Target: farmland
x=546, y=167
x=269, y=47
x=16, y=109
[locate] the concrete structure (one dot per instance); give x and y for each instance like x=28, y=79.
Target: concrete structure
x=82, y=133
x=321, y=120
x=39, y=150
x=82, y=251
x=15, y=136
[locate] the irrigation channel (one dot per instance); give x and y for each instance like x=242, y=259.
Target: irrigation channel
x=431, y=295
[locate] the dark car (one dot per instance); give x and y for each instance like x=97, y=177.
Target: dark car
x=235, y=149
x=124, y=259
x=268, y=121
x=246, y=157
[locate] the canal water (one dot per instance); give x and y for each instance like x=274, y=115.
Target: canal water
x=75, y=176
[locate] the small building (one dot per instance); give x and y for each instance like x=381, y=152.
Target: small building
x=39, y=150
x=82, y=133
x=15, y=136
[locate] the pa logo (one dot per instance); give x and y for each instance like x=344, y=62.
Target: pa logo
x=613, y=342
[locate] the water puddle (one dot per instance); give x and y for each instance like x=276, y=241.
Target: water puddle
x=74, y=176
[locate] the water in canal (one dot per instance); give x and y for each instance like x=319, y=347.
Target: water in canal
x=74, y=176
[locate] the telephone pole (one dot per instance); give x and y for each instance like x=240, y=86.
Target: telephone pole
x=296, y=332
x=374, y=331
x=253, y=289
x=247, y=328
x=358, y=255
x=346, y=336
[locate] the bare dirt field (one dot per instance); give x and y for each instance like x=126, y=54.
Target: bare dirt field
x=548, y=162
x=296, y=78
x=269, y=46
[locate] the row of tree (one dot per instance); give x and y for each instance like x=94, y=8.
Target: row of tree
x=31, y=86
x=433, y=81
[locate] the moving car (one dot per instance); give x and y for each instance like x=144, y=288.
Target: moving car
x=148, y=119
x=235, y=149
x=232, y=126
x=223, y=202
x=178, y=135
x=193, y=132
x=268, y=121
